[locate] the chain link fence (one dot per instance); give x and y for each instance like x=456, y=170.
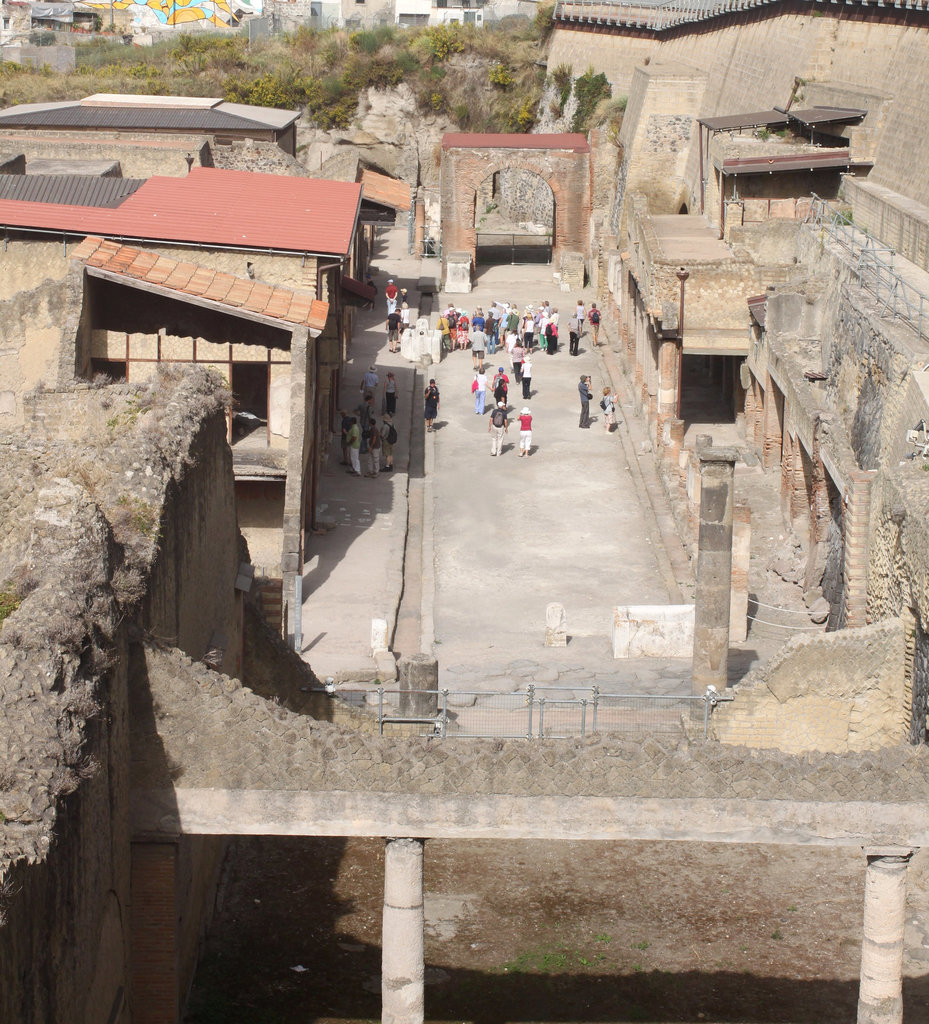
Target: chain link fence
x=540, y=712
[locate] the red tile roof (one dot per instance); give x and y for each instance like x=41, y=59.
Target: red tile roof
x=383, y=189
x=575, y=141
x=190, y=279
x=214, y=207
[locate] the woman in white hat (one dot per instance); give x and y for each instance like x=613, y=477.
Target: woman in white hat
x=525, y=431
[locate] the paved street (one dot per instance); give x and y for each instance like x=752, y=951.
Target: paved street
x=487, y=542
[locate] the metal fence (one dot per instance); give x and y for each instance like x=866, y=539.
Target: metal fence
x=512, y=249
x=544, y=713
x=874, y=266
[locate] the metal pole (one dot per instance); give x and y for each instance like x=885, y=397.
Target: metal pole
x=444, y=713
x=380, y=710
x=541, y=717
x=530, y=697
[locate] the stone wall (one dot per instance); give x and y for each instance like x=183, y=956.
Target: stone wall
x=37, y=326
x=833, y=692
x=110, y=526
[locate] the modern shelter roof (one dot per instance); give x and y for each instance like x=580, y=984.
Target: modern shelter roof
x=141, y=113
x=827, y=115
x=826, y=159
x=213, y=207
x=162, y=274
x=380, y=188
x=734, y=122
x=68, y=189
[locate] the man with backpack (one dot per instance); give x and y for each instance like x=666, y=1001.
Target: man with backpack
x=388, y=434
x=372, y=438
x=498, y=426
x=593, y=318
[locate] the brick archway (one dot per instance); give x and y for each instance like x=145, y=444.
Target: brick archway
x=561, y=161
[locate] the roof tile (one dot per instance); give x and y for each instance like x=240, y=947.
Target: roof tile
x=220, y=287
x=200, y=281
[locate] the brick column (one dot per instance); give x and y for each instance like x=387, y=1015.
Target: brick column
x=857, y=522
x=402, y=949
x=153, y=922
x=771, y=448
x=668, y=361
x=714, y=566
x=880, y=995
x=741, y=555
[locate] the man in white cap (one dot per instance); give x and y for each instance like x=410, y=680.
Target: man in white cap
x=497, y=427
x=391, y=292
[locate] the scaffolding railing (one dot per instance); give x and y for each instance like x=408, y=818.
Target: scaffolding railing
x=545, y=713
x=873, y=264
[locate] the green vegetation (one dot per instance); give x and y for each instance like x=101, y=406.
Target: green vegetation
x=10, y=600
x=589, y=90
x=322, y=72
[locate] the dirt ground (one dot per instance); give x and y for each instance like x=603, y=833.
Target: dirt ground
x=537, y=931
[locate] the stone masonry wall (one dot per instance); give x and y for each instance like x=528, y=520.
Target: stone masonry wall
x=137, y=508
x=829, y=692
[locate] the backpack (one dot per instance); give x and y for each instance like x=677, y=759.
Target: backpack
x=499, y=382
x=499, y=417
x=594, y=316
x=391, y=434
x=603, y=404
x=453, y=320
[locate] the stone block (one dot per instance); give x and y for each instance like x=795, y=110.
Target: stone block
x=458, y=272
x=572, y=271
x=556, y=626
x=653, y=631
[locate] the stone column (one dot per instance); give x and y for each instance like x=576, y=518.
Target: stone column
x=419, y=684
x=668, y=360
x=741, y=557
x=880, y=996
x=714, y=566
x=402, y=950
x=857, y=516
x=419, y=224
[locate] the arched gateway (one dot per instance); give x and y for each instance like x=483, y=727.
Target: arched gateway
x=562, y=161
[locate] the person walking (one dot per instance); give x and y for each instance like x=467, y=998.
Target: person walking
x=527, y=377
x=608, y=405
x=478, y=345
x=390, y=394
x=501, y=385
x=372, y=440
x=527, y=329
x=344, y=427
x=479, y=390
x=497, y=427
x=430, y=404
x=581, y=313
x=551, y=346
x=593, y=318
x=574, y=335
x=583, y=389
x=525, y=431
x=393, y=330
x=354, y=447
x=369, y=381
x=443, y=326
x=388, y=439
x=390, y=293
x=519, y=353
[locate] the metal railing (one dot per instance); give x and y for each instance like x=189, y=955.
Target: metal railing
x=507, y=247
x=873, y=266
x=546, y=713
x=660, y=15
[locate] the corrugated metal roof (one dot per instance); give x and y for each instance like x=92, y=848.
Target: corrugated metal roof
x=829, y=159
x=733, y=122
x=210, y=206
x=68, y=189
x=62, y=116
x=474, y=140
x=827, y=115
x=201, y=282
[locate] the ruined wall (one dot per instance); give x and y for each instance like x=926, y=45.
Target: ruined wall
x=140, y=155
x=84, y=520
x=255, y=155
x=38, y=326
x=830, y=692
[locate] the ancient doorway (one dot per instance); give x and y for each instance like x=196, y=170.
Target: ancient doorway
x=514, y=218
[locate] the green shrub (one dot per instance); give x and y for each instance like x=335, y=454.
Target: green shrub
x=589, y=89
x=501, y=76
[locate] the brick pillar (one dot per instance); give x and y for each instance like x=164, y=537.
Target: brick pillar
x=402, y=947
x=674, y=431
x=771, y=449
x=714, y=566
x=741, y=554
x=760, y=411
x=668, y=361
x=419, y=224
x=857, y=521
x=153, y=921
x=880, y=995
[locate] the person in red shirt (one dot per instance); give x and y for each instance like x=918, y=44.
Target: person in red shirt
x=525, y=431
x=391, y=292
